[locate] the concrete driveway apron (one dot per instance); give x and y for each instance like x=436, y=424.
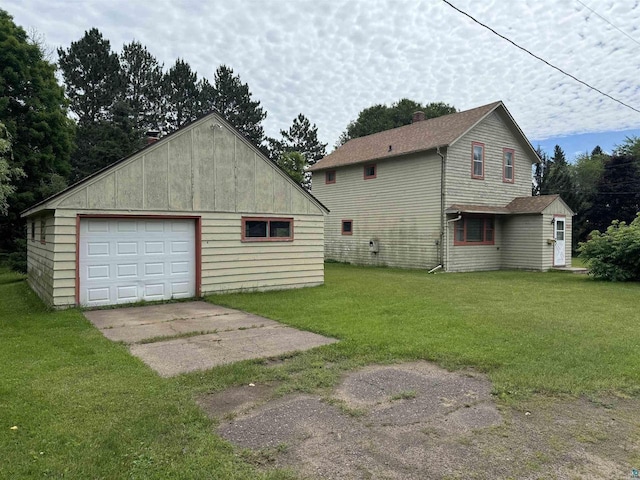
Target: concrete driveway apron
x=177, y=338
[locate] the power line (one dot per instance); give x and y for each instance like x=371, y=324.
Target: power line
x=541, y=59
x=603, y=18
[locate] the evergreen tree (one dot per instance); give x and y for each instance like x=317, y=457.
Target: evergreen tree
x=33, y=109
x=618, y=192
x=181, y=96
x=378, y=118
x=232, y=99
x=92, y=75
x=142, y=76
x=559, y=179
x=539, y=172
x=301, y=137
x=295, y=164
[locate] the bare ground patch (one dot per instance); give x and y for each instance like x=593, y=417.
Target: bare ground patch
x=416, y=421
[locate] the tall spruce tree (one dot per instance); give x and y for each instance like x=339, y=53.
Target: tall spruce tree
x=301, y=137
x=92, y=77
x=142, y=77
x=33, y=109
x=181, y=96
x=233, y=100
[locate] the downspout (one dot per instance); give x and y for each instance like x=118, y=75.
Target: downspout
x=442, y=165
x=448, y=222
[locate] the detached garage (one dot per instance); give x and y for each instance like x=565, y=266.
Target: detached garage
x=197, y=212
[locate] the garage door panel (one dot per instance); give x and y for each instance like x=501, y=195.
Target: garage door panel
x=124, y=261
x=127, y=270
x=97, y=271
x=151, y=248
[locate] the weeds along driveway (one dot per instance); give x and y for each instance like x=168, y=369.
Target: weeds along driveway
x=177, y=338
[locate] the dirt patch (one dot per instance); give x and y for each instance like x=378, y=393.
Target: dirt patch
x=235, y=400
x=416, y=421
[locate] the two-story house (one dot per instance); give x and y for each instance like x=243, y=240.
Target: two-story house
x=453, y=191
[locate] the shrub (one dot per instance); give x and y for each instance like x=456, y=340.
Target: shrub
x=615, y=254
x=17, y=260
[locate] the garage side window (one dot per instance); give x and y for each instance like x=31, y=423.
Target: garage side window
x=267, y=229
x=33, y=230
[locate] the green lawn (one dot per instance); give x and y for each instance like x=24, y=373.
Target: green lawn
x=85, y=408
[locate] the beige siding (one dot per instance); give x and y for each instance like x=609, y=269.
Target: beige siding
x=494, y=133
x=556, y=208
x=399, y=208
x=228, y=264
x=40, y=257
x=523, y=243
x=205, y=167
x=468, y=258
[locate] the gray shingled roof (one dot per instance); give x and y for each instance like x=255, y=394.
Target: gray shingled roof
x=417, y=137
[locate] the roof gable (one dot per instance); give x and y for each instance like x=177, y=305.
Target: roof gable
x=428, y=134
x=181, y=171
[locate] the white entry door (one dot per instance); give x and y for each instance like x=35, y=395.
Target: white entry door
x=559, y=227
x=127, y=260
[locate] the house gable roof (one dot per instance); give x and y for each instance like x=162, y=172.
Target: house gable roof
x=51, y=202
x=428, y=134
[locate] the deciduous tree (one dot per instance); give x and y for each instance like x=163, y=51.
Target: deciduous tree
x=378, y=118
x=33, y=109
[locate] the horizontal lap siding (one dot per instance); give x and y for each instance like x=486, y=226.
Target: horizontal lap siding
x=40, y=272
x=468, y=258
x=227, y=263
x=495, y=135
x=523, y=242
x=399, y=208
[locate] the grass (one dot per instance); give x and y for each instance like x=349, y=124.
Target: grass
x=530, y=332
x=85, y=408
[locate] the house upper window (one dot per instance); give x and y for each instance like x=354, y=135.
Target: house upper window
x=43, y=231
x=370, y=171
x=347, y=227
x=477, y=160
x=474, y=230
x=267, y=229
x=507, y=165
x=330, y=176
x=33, y=230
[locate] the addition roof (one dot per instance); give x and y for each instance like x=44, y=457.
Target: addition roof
x=419, y=136
x=517, y=206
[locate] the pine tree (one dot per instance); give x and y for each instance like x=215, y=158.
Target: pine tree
x=181, y=96
x=32, y=107
x=232, y=99
x=301, y=137
x=92, y=75
x=142, y=76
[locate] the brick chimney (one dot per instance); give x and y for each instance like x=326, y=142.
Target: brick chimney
x=418, y=117
x=152, y=136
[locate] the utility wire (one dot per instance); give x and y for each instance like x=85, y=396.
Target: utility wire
x=603, y=18
x=541, y=59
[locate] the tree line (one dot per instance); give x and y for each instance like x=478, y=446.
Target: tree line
x=53, y=135
x=598, y=187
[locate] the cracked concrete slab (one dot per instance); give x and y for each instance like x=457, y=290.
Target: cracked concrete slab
x=210, y=335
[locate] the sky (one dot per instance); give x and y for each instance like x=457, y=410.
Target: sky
x=329, y=59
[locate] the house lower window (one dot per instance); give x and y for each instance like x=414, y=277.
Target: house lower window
x=267, y=229
x=474, y=230
x=330, y=176
x=347, y=227
x=370, y=171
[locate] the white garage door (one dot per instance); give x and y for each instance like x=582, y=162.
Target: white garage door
x=128, y=260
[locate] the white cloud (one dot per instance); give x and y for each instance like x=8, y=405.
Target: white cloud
x=330, y=59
